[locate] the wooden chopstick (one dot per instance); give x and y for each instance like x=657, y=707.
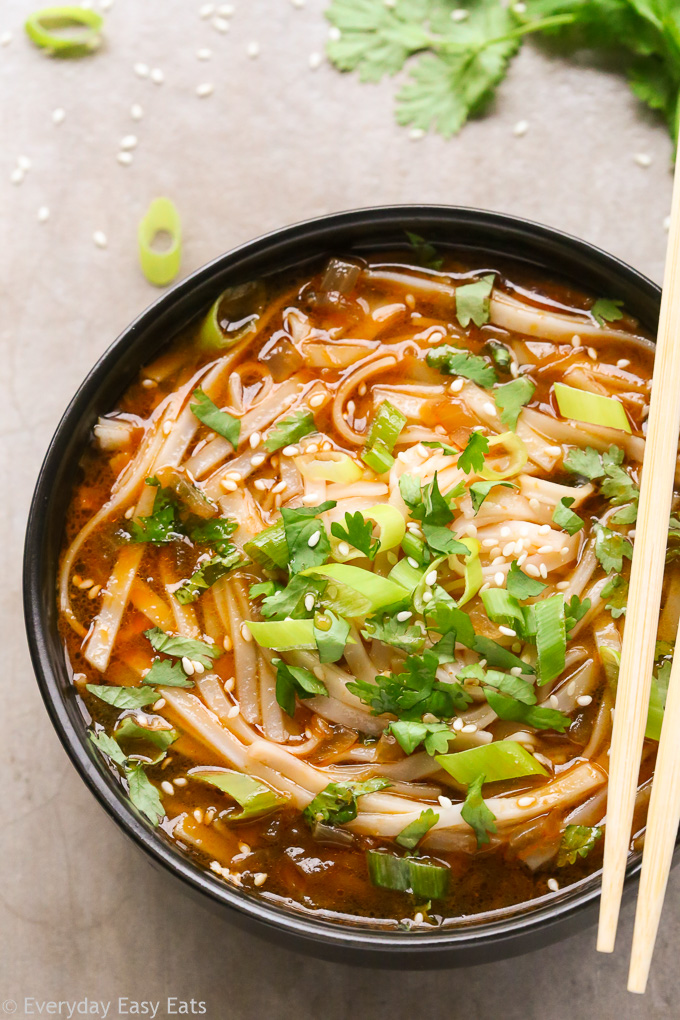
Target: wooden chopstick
x=662, y=831
x=646, y=579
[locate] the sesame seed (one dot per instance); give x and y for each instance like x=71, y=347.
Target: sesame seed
x=583, y=700
x=206, y=11
x=281, y=487
x=5, y=38
x=313, y=540
x=230, y=485
x=431, y=578
x=489, y=408
x=525, y=801
x=334, y=33
x=554, y=451
x=543, y=570
x=167, y=787
x=233, y=712
x=509, y=549
x=258, y=460
x=226, y=10
x=204, y=90
x=553, y=885
x=531, y=570
x=427, y=596
x=260, y=878
x=622, y=363
x=290, y=451
x=315, y=61
x=643, y=159
x=418, y=918
x=576, y=341
x=553, y=701
x=198, y=666
x=58, y=115
x=508, y=631
x=444, y=802
x=543, y=549
x=234, y=476
x=208, y=816
x=24, y=162
x=226, y=643
x=495, y=555
x=93, y=592
x=469, y=728
x=415, y=134
x=129, y=142
x=343, y=548
x=157, y=76
x=411, y=562
x=520, y=128
x=309, y=602
x=167, y=428
x=499, y=578
x=516, y=671
x=124, y=158
x=229, y=684
x=458, y=724
x=129, y=512
x=220, y=25
x=592, y=353
x=198, y=815
x=456, y=386
x=17, y=175
x=100, y=239
x=544, y=529
x=43, y=214
x=565, y=550
x=666, y=223
x=158, y=705
x=505, y=532
x=562, y=585
x=141, y=70
x=316, y=399
x=187, y=666
x=204, y=53
x=534, y=504
x=313, y=448
x=136, y=111
x=404, y=615
x=253, y=50
x=149, y=384
x=488, y=543
x=245, y=633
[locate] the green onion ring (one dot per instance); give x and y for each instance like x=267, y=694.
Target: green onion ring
x=160, y=267
x=40, y=29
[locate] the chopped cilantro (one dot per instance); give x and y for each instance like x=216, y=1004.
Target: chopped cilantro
x=520, y=585
x=540, y=718
x=412, y=693
x=426, y=503
x=109, y=747
x=358, y=533
x=500, y=355
x=472, y=302
x=219, y=421
x=337, y=802
x=615, y=595
x=144, y=794
x=290, y=601
x=448, y=451
x=475, y=812
x=442, y=540
x=179, y=647
x=424, y=253
x=511, y=397
x=164, y=673
x=301, y=528
x=398, y=633
x=263, y=589
x=207, y=574
x=480, y=490
x=565, y=518
x=289, y=430
x=472, y=457
x=163, y=524
x=451, y=361
x=611, y=548
x=411, y=835
x=577, y=841
x=410, y=733
x=575, y=610
x=292, y=680
x=605, y=310
x=587, y=463
x=123, y=697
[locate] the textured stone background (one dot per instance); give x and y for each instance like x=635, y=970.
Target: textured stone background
x=82, y=913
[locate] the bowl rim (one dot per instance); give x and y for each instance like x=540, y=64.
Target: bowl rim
x=504, y=926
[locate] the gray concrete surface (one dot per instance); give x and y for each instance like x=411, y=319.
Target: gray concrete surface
x=83, y=915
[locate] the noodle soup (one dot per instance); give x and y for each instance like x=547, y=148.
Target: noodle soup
x=344, y=583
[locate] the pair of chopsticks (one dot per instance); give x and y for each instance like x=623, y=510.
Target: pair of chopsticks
x=637, y=655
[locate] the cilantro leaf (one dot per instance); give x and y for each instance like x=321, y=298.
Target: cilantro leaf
x=411, y=835
x=207, y=574
x=472, y=457
x=443, y=540
x=448, y=451
x=586, y=463
x=337, y=802
x=123, y=697
x=163, y=524
x=575, y=610
x=424, y=252
x=263, y=589
x=540, y=718
x=215, y=532
x=290, y=601
x=219, y=421
x=611, y=548
x=604, y=311
x=330, y=633
x=475, y=812
x=375, y=39
x=451, y=361
x=412, y=693
x=619, y=487
x=398, y=633
x=411, y=733
x=511, y=397
x=577, y=841
x=179, y=647
x=565, y=518
x=497, y=655
x=164, y=673
x=357, y=532
x=615, y=595
x=520, y=585
x=144, y=794
x=289, y=430
x=480, y=490
x=109, y=747
x=426, y=503
x=500, y=355
x=305, y=549
x=292, y=680
x=129, y=729
x=445, y=617
x=472, y=302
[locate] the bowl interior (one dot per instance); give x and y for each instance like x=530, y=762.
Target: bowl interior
x=489, y=234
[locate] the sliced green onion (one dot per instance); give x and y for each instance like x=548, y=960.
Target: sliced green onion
x=472, y=569
x=282, y=635
x=373, y=590
x=160, y=267
x=254, y=796
x=386, y=426
x=593, y=408
x=551, y=637
x=269, y=547
x=408, y=874
x=232, y=316
x=415, y=548
x=391, y=526
x=517, y=457
x=378, y=458
x=329, y=466
x=657, y=701
x=41, y=28
x=404, y=574
x=502, y=607
x=502, y=759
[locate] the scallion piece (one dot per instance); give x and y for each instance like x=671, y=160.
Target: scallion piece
x=474, y=578
x=269, y=547
x=378, y=458
x=408, y=874
x=281, y=635
x=377, y=592
x=404, y=574
x=160, y=267
x=593, y=408
x=254, y=796
x=232, y=316
x=517, y=457
x=551, y=637
x=382, y=435
x=43, y=28
x=502, y=759
x=415, y=548
x=329, y=466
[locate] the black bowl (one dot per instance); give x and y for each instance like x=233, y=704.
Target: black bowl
x=474, y=940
